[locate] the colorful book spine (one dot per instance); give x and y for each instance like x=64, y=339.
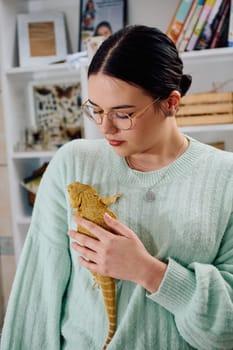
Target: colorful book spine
x=193, y=21
x=221, y=25
x=208, y=5
x=207, y=33
x=217, y=20
x=186, y=23
x=230, y=28
x=178, y=20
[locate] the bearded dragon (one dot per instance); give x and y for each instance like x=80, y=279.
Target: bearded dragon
x=87, y=204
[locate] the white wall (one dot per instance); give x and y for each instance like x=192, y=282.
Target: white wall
x=151, y=12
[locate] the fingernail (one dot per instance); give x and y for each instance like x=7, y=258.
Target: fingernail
x=106, y=215
x=76, y=218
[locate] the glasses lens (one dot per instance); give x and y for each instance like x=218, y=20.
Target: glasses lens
x=92, y=114
x=121, y=120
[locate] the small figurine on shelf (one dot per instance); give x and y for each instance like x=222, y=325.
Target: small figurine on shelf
x=31, y=183
x=50, y=136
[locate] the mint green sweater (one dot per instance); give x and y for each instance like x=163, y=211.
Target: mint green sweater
x=53, y=304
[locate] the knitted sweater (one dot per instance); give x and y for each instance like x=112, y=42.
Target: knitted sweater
x=53, y=304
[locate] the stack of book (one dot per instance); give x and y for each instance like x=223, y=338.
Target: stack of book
x=205, y=109
x=202, y=24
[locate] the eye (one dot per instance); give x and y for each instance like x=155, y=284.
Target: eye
x=120, y=115
x=93, y=110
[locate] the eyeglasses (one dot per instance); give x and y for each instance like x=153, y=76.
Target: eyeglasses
x=121, y=120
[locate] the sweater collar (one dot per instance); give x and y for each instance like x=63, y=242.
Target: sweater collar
x=179, y=168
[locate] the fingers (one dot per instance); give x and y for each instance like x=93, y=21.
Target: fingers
x=117, y=226
x=100, y=233
x=90, y=265
x=85, y=253
x=82, y=240
x=97, y=231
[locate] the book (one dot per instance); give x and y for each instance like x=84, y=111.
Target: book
x=191, y=26
x=223, y=35
x=207, y=7
x=222, y=27
x=230, y=27
x=217, y=20
x=176, y=25
x=186, y=23
x=207, y=33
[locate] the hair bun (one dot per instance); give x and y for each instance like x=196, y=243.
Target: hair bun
x=185, y=83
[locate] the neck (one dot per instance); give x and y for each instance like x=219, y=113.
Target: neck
x=155, y=161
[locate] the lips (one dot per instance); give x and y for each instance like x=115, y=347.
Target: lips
x=115, y=143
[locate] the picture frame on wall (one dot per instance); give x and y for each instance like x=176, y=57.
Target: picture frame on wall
x=55, y=112
x=41, y=38
x=100, y=18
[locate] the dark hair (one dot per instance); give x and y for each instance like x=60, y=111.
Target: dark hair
x=102, y=24
x=143, y=56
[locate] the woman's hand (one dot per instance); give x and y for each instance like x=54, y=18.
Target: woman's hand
x=117, y=253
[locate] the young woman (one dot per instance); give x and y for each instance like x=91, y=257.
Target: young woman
x=103, y=29
x=88, y=16
x=171, y=249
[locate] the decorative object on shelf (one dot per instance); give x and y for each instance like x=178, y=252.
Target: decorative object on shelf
x=55, y=113
x=41, y=38
x=205, y=109
x=101, y=17
x=31, y=183
x=93, y=44
x=219, y=145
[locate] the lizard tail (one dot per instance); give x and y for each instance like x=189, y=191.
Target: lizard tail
x=107, y=285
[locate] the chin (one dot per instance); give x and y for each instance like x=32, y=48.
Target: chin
x=120, y=153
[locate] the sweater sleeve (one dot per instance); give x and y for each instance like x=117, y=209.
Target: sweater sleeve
x=200, y=296
x=34, y=310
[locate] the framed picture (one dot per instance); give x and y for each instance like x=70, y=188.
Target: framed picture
x=41, y=38
x=100, y=18
x=55, y=113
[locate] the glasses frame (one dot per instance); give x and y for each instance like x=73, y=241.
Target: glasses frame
x=131, y=117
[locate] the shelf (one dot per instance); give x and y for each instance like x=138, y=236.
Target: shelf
x=41, y=68
x=206, y=128
x=24, y=220
x=33, y=155
x=68, y=67
x=43, y=72
x=208, y=53
x=217, y=53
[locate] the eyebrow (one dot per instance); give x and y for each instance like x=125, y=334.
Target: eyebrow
x=114, y=107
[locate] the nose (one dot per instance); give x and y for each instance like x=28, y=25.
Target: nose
x=107, y=126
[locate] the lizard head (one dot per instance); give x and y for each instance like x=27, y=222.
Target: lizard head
x=76, y=191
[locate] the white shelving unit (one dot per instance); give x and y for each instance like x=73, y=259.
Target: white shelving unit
x=209, y=68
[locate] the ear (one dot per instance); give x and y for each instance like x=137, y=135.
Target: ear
x=173, y=102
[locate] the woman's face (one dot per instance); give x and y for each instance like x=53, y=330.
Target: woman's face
x=104, y=31
x=107, y=93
